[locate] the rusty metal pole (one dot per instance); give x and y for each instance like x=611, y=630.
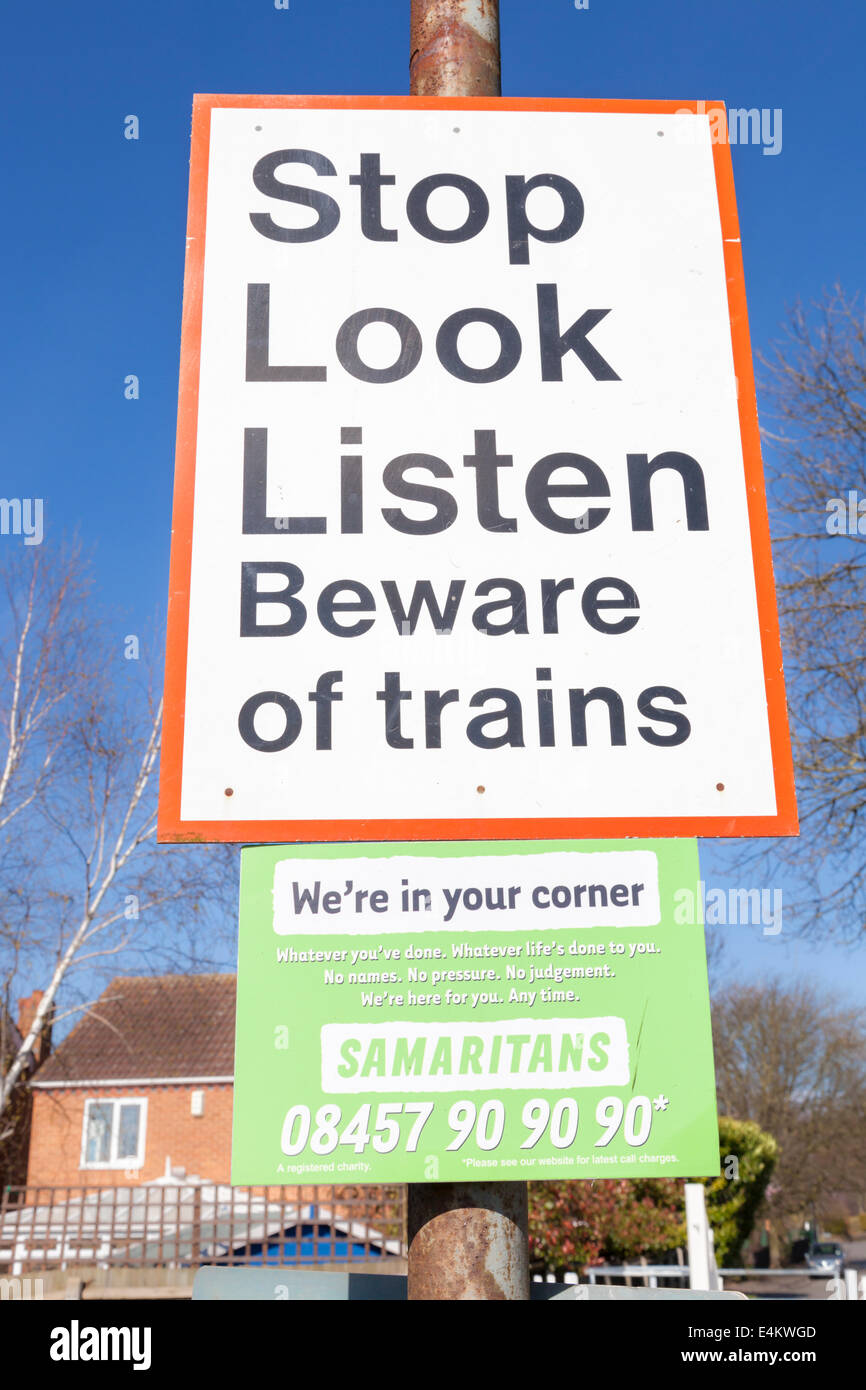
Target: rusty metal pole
x=454, y=48
x=466, y=1240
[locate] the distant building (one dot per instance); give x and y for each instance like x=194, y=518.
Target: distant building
x=143, y=1083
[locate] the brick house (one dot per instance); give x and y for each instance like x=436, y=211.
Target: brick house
x=143, y=1081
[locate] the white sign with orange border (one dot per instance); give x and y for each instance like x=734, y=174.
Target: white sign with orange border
x=470, y=539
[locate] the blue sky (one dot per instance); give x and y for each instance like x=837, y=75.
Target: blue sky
x=93, y=232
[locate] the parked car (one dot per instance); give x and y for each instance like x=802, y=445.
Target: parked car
x=825, y=1258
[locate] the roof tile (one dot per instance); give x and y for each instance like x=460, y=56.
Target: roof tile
x=152, y=1026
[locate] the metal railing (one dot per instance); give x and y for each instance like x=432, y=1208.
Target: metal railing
x=180, y=1225
x=849, y=1279
x=643, y=1273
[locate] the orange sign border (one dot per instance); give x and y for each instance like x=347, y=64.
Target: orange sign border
x=171, y=828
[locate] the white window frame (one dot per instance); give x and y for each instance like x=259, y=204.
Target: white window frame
x=113, y=1162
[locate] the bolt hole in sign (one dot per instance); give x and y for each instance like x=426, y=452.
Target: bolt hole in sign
x=469, y=492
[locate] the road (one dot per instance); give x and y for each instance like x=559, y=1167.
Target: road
x=800, y=1287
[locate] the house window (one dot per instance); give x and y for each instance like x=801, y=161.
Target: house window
x=113, y=1134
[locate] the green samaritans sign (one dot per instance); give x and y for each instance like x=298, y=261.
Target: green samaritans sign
x=424, y=1012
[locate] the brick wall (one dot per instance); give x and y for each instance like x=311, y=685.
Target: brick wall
x=201, y=1145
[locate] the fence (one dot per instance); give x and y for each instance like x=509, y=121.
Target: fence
x=845, y=1283
x=180, y=1225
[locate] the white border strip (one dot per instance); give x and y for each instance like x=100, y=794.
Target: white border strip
x=135, y=1081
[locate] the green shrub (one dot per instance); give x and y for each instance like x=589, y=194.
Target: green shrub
x=748, y=1156
x=576, y=1223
